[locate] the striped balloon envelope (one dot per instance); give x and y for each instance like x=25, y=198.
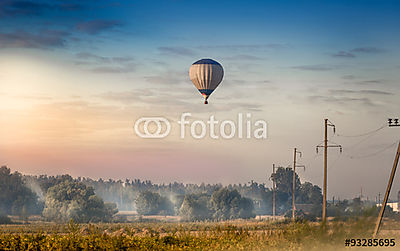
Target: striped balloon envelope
x=206, y=75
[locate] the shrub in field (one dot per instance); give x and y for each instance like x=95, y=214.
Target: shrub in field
x=4, y=219
x=148, y=203
x=228, y=204
x=195, y=207
x=74, y=200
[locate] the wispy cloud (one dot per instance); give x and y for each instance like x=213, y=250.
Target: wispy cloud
x=318, y=67
x=180, y=51
x=44, y=39
x=359, y=50
x=373, y=92
x=11, y=8
x=102, y=64
x=368, y=50
x=341, y=100
x=344, y=54
x=168, y=78
x=243, y=57
x=96, y=26
x=14, y=8
x=127, y=96
x=102, y=59
x=348, y=77
x=243, y=46
x=115, y=69
x=369, y=82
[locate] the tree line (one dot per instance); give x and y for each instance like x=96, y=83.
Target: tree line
x=62, y=197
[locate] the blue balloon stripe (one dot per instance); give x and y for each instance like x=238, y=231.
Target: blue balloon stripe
x=206, y=91
x=206, y=61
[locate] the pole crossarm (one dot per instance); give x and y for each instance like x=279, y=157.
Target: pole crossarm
x=393, y=122
x=340, y=147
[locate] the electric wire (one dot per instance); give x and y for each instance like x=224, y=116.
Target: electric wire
x=363, y=134
x=372, y=154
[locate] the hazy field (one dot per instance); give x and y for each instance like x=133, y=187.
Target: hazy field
x=229, y=235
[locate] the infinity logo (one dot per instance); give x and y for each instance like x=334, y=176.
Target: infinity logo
x=152, y=120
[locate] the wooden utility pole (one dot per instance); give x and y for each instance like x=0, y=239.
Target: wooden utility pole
x=325, y=146
x=325, y=171
x=294, y=183
x=273, y=190
x=294, y=186
x=389, y=186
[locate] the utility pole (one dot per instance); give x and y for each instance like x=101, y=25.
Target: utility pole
x=294, y=182
x=389, y=186
x=361, y=196
x=273, y=190
x=390, y=182
x=325, y=146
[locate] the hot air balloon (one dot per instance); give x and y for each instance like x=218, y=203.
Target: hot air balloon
x=206, y=75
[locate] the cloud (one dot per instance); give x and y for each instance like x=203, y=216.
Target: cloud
x=101, y=59
x=348, y=77
x=93, y=57
x=70, y=6
x=14, y=8
x=368, y=82
x=45, y=39
x=341, y=100
x=180, y=51
x=96, y=26
x=127, y=96
x=351, y=53
x=349, y=97
x=344, y=54
x=367, y=50
x=34, y=97
x=33, y=8
x=168, y=78
x=319, y=67
x=114, y=69
x=102, y=64
x=243, y=57
x=243, y=46
x=374, y=92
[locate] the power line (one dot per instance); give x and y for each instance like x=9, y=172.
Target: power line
x=363, y=134
x=362, y=140
x=372, y=154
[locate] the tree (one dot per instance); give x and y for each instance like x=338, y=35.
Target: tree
x=284, y=180
x=228, y=204
x=74, y=200
x=149, y=203
x=195, y=207
x=309, y=194
x=15, y=197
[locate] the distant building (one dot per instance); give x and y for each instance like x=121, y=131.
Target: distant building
x=393, y=205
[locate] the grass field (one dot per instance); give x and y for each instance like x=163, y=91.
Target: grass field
x=229, y=235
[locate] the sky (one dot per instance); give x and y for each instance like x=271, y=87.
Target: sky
x=76, y=75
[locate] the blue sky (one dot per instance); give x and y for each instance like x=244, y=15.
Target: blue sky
x=75, y=75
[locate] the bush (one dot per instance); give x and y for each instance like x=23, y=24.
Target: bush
x=195, y=207
x=74, y=200
x=228, y=204
x=5, y=220
x=149, y=203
